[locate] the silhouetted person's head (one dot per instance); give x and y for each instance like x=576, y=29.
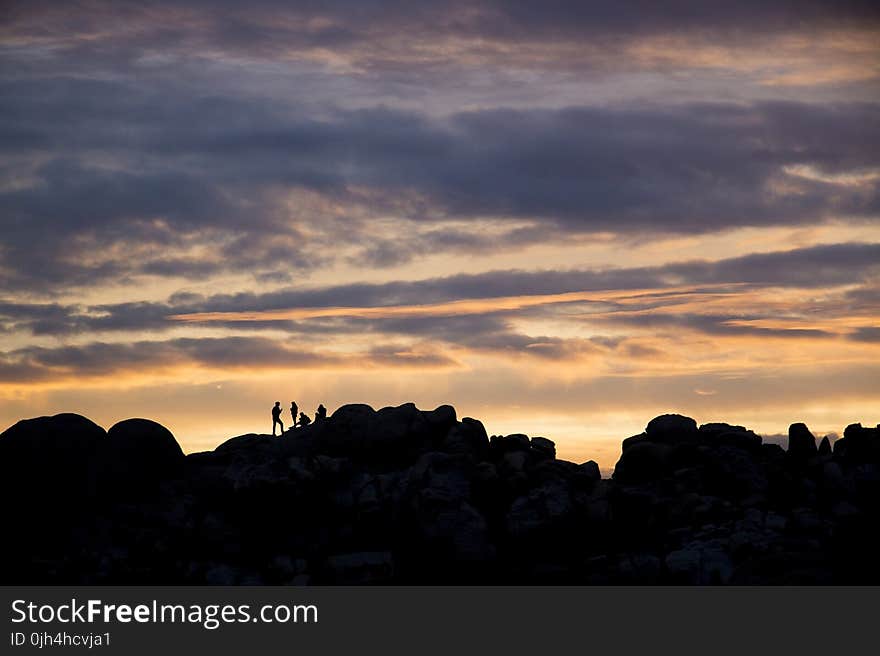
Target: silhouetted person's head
x=277, y=402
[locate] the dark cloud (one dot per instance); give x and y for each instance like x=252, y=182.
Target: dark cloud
x=113, y=179
x=119, y=165
x=866, y=334
x=262, y=29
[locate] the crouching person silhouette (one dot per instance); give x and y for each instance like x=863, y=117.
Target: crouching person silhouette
x=276, y=417
x=304, y=420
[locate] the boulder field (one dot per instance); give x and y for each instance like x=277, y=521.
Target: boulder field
x=405, y=496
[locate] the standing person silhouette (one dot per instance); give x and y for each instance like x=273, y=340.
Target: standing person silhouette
x=276, y=417
x=293, y=411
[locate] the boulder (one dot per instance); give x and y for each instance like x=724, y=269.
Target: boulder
x=542, y=509
x=137, y=454
x=438, y=475
x=140, y=450
x=732, y=473
x=515, y=464
x=672, y=429
x=591, y=470
x=801, y=442
x=641, y=462
x=49, y=456
x=772, y=452
x=436, y=518
x=631, y=441
x=396, y=423
x=499, y=444
x=441, y=418
x=352, y=417
x=713, y=429
x=561, y=471
x=745, y=440
x=467, y=437
x=859, y=444
x=544, y=447
x=248, y=442
x=720, y=434
x=390, y=435
x=345, y=430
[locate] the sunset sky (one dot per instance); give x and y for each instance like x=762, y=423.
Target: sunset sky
x=562, y=217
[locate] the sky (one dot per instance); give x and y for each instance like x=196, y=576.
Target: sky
x=562, y=217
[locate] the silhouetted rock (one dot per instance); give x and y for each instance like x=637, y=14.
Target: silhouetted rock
x=65, y=438
x=391, y=433
x=540, y=510
x=500, y=444
x=141, y=449
x=468, y=437
x=401, y=495
x=719, y=434
x=643, y=461
x=801, y=442
x=672, y=429
x=249, y=441
x=47, y=483
x=859, y=444
x=543, y=446
x=631, y=441
x=591, y=470
x=49, y=457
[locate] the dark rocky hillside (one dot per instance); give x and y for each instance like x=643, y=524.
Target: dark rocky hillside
x=401, y=495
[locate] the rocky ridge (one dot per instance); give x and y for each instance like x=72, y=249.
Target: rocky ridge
x=401, y=495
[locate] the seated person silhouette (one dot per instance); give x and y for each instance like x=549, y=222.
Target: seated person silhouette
x=321, y=413
x=304, y=420
x=293, y=411
x=276, y=417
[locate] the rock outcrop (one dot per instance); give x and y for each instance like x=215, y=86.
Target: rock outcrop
x=402, y=495
x=137, y=454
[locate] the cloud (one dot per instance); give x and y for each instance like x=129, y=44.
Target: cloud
x=111, y=179
x=713, y=324
x=811, y=267
x=866, y=334
x=98, y=360
x=341, y=31
x=476, y=303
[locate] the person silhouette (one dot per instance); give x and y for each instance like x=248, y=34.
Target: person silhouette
x=304, y=420
x=321, y=413
x=293, y=411
x=276, y=417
